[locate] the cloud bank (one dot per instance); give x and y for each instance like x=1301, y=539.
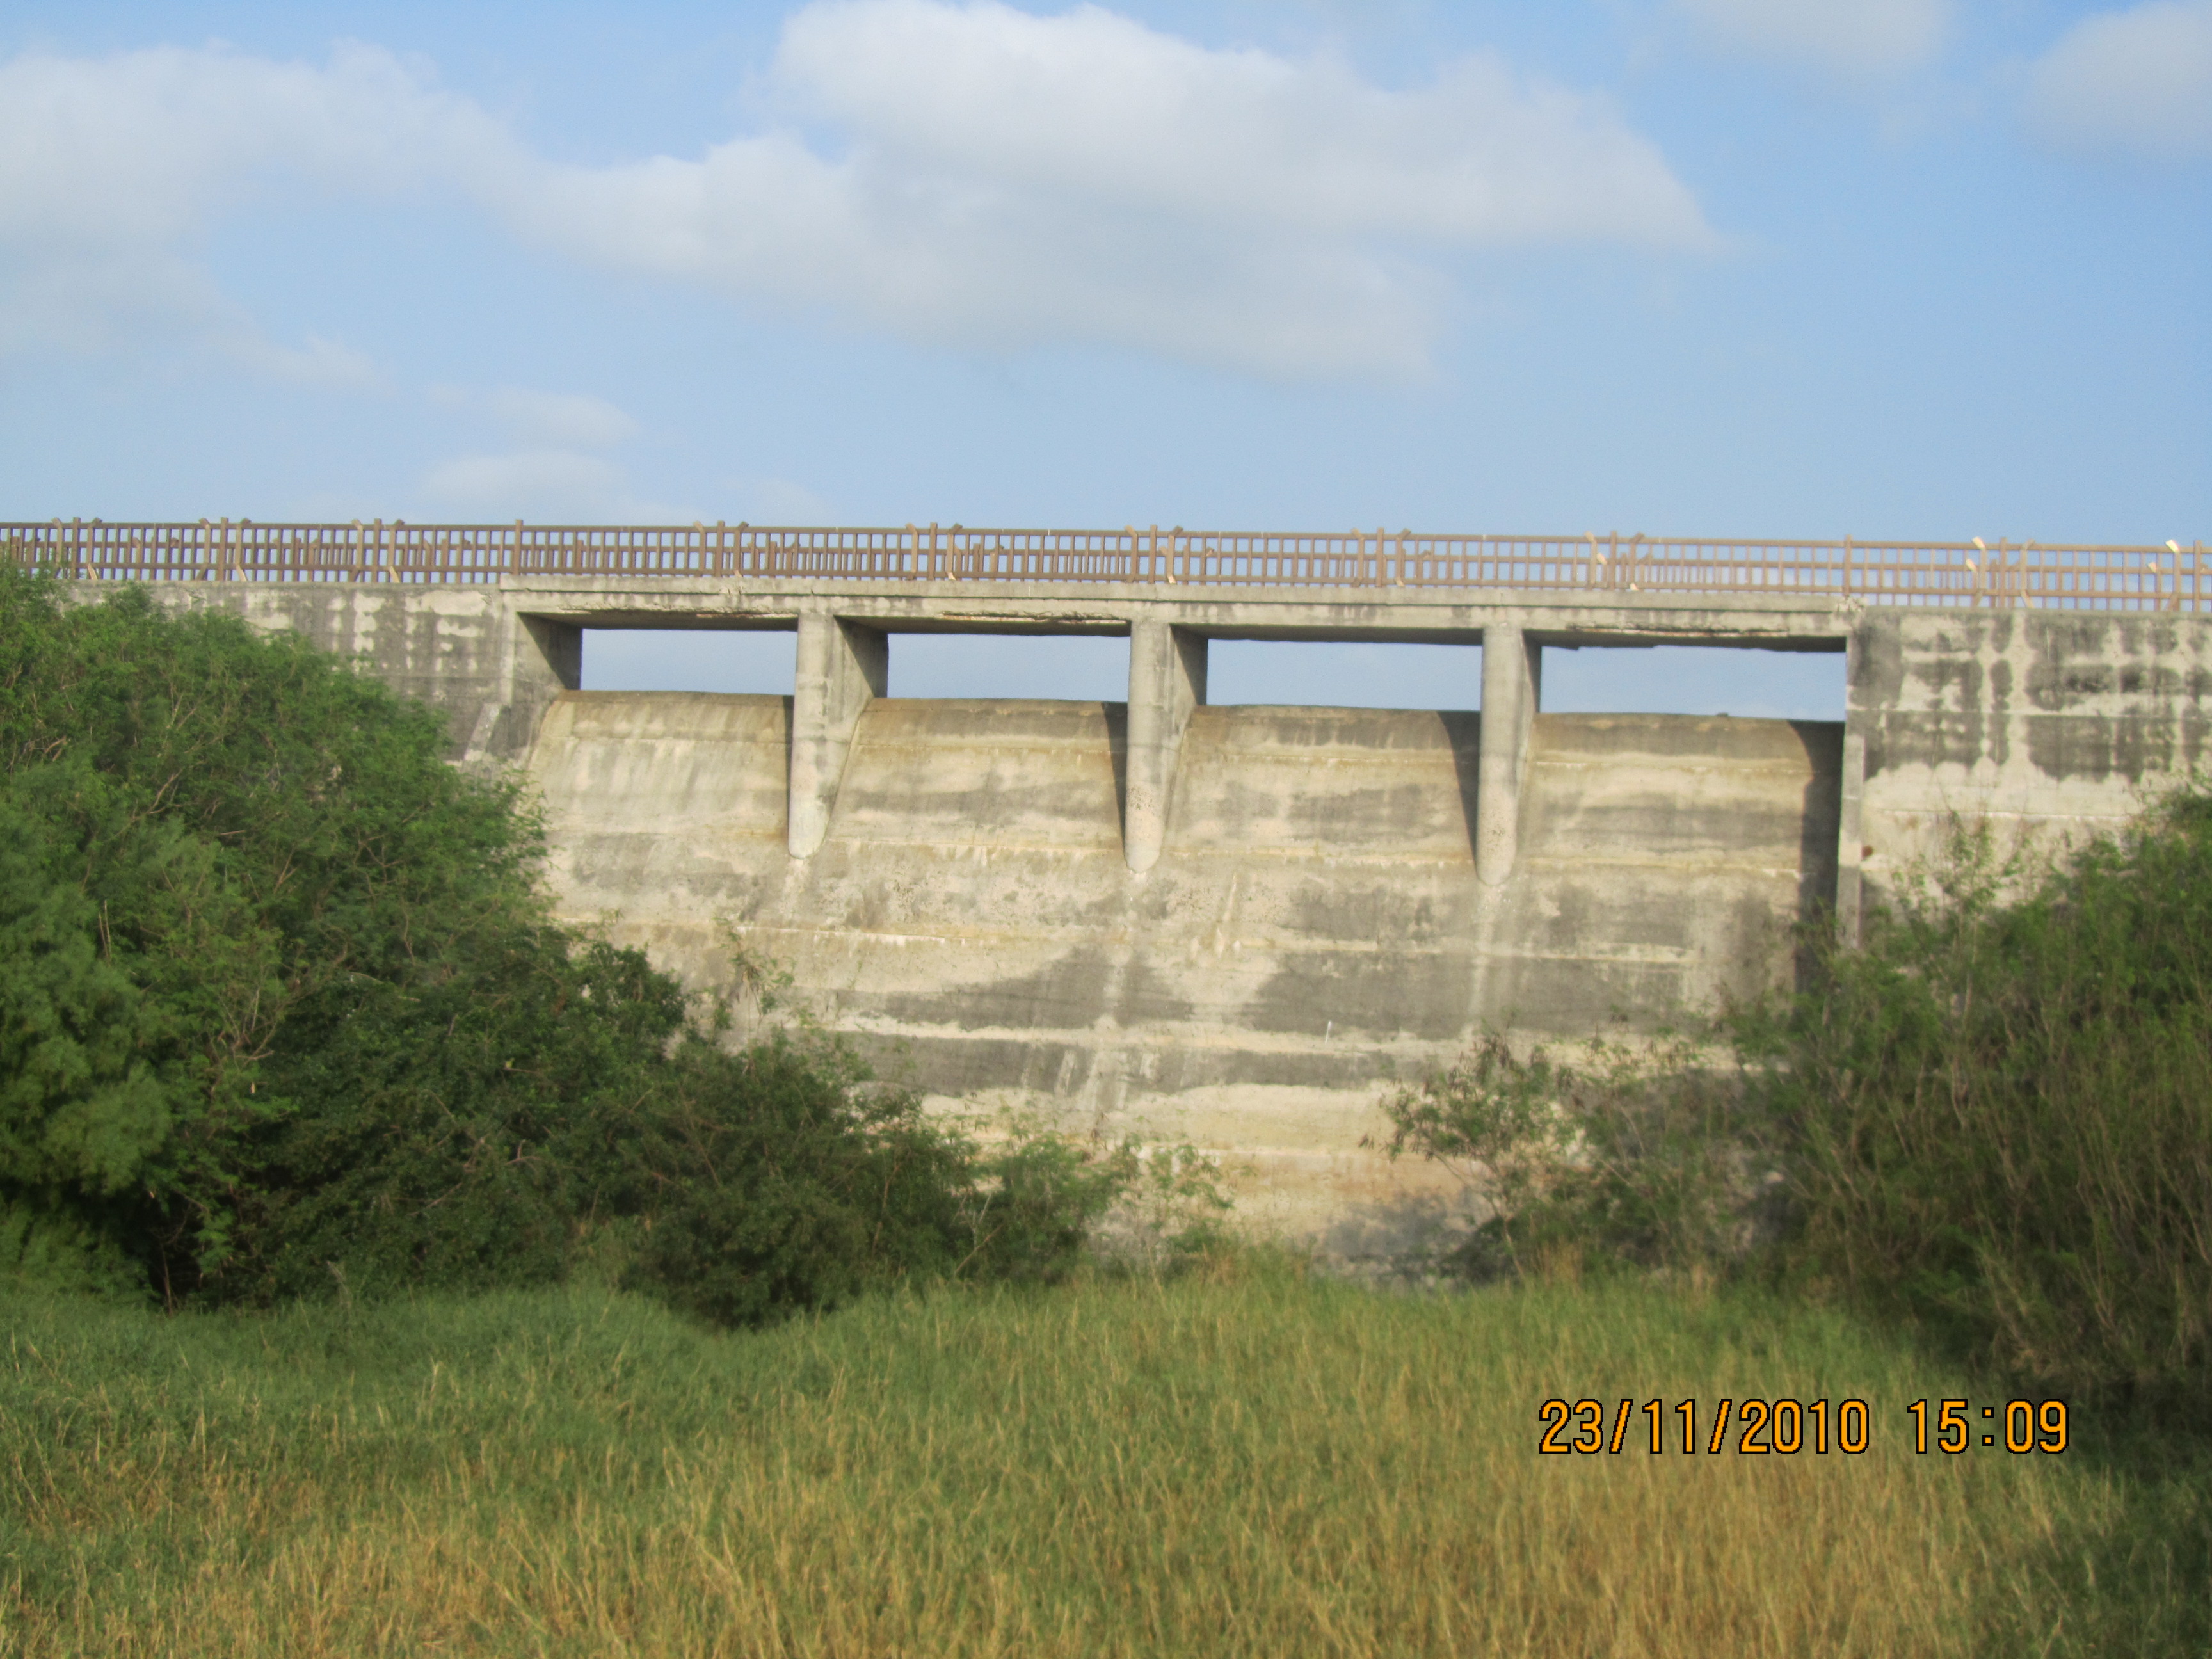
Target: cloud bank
x=552, y=470
x=1851, y=37
x=2138, y=80
x=993, y=180
x=114, y=170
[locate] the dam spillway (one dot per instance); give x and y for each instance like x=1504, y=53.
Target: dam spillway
x=1313, y=929
x=1235, y=927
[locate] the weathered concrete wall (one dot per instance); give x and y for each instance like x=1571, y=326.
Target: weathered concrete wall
x=2044, y=723
x=1313, y=927
x=468, y=651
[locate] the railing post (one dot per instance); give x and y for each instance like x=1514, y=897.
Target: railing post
x=76, y=547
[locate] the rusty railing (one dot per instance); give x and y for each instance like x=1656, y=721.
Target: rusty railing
x=2161, y=577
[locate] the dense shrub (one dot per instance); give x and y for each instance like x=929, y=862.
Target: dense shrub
x=1609, y=1154
x=283, y=1012
x=2002, y=1106
x=825, y=1187
x=1992, y=1118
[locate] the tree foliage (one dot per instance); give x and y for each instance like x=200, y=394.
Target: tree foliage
x=283, y=1010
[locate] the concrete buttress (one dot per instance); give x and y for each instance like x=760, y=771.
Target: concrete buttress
x=842, y=666
x=1167, y=681
x=1510, y=672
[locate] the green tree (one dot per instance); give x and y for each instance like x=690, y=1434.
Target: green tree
x=283, y=1009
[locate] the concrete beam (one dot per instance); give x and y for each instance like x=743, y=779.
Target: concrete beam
x=1512, y=672
x=1436, y=615
x=842, y=666
x=1167, y=680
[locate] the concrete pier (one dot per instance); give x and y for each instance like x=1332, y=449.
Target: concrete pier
x=1167, y=682
x=840, y=667
x=1511, y=675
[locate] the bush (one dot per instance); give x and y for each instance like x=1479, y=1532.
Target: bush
x=229, y=859
x=283, y=1012
x=1993, y=1119
x=2003, y=1107
x=1654, y=1157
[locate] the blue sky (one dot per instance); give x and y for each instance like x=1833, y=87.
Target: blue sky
x=1907, y=268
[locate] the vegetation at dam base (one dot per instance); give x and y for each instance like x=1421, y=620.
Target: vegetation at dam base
x=1990, y=1120
x=283, y=1014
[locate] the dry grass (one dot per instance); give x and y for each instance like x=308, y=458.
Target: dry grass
x=1266, y=1466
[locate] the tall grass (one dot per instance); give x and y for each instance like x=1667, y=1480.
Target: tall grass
x=1266, y=1466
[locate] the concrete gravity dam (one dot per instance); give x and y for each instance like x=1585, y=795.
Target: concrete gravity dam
x=1235, y=926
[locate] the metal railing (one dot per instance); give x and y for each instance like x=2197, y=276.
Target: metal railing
x=1959, y=574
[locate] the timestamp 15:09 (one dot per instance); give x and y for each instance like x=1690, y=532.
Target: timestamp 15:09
x=1785, y=1427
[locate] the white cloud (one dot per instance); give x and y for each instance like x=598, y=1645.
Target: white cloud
x=552, y=475
x=144, y=147
x=1851, y=37
x=1010, y=180
x=1000, y=181
x=546, y=419
x=2139, y=79
x=319, y=362
x=111, y=168
x=547, y=486
x=1093, y=106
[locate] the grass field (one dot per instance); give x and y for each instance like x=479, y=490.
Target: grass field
x=1255, y=1463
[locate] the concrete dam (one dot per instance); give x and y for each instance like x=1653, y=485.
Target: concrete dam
x=1238, y=927
x=1314, y=926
